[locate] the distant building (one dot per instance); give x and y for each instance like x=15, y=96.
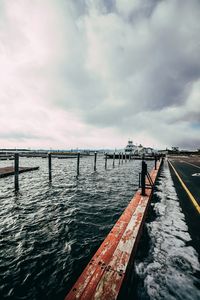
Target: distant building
x=175, y=149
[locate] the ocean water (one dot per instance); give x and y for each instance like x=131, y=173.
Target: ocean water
x=49, y=232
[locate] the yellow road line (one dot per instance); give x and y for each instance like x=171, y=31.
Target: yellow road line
x=196, y=205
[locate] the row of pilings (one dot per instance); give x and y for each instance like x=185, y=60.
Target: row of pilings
x=120, y=157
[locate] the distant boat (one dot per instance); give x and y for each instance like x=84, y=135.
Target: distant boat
x=134, y=152
x=130, y=148
x=129, y=151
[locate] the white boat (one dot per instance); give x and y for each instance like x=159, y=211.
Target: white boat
x=133, y=151
x=130, y=148
x=139, y=150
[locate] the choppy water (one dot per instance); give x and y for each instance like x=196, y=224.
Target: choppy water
x=171, y=269
x=48, y=233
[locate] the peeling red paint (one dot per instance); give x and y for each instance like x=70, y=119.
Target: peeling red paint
x=103, y=276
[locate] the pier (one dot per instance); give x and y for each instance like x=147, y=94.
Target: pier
x=109, y=268
x=8, y=171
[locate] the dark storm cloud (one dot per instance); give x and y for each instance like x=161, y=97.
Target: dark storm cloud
x=151, y=63
x=130, y=66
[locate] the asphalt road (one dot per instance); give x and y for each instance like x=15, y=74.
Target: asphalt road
x=188, y=170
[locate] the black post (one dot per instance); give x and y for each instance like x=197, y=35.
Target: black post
x=49, y=162
x=113, y=159
x=143, y=177
x=106, y=161
x=122, y=157
x=155, y=162
x=95, y=161
x=16, y=171
x=78, y=162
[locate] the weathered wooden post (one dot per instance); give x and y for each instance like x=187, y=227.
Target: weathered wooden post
x=113, y=159
x=95, y=161
x=49, y=163
x=119, y=157
x=16, y=171
x=143, y=177
x=125, y=158
x=78, y=162
x=129, y=157
x=122, y=157
x=155, y=162
x=106, y=161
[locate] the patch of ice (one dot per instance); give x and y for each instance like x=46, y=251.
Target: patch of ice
x=169, y=270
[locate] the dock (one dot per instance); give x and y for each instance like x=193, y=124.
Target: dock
x=6, y=158
x=8, y=171
x=110, y=266
x=132, y=157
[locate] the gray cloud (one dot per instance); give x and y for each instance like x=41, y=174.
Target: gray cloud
x=19, y=135
x=150, y=56
x=130, y=66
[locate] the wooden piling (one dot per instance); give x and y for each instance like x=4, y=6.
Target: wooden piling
x=16, y=171
x=122, y=158
x=119, y=157
x=143, y=178
x=106, y=161
x=125, y=157
x=78, y=162
x=95, y=161
x=50, y=165
x=155, y=162
x=113, y=159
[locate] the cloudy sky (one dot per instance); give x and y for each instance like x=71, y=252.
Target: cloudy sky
x=94, y=73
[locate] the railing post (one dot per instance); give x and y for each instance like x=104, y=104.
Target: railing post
x=143, y=177
x=16, y=171
x=78, y=162
x=155, y=162
x=95, y=161
x=50, y=166
x=106, y=161
x=113, y=159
